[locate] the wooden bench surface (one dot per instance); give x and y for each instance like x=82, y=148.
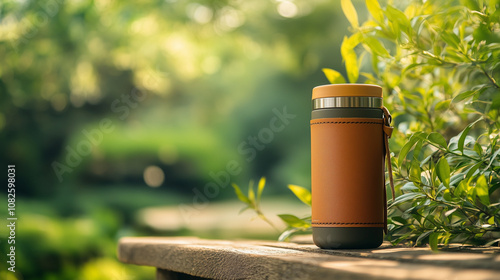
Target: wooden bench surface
x=257, y=259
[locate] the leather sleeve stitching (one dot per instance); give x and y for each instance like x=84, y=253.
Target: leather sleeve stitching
x=347, y=123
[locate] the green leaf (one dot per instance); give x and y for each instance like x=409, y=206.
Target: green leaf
x=334, y=77
x=251, y=194
x=301, y=193
x=415, y=171
x=461, y=188
x=286, y=234
x=450, y=38
x=410, y=186
x=492, y=6
x=349, y=56
x=449, y=212
x=422, y=237
x=456, y=178
x=433, y=241
x=463, y=95
x=471, y=194
x=423, y=162
x=492, y=158
x=461, y=140
x=407, y=197
x=441, y=105
x=443, y=171
x=240, y=194
x=447, y=195
x=410, y=67
x=493, y=242
x=399, y=221
x=399, y=18
x=438, y=139
x=293, y=221
x=463, y=135
x=406, y=148
x=260, y=187
x=478, y=149
x=349, y=43
x=376, y=47
x=482, y=190
x=493, y=142
x=472, y=170
x=417, y=149
x=350, y=12
x=375, y=10
x=351, y=65
x=432, y=168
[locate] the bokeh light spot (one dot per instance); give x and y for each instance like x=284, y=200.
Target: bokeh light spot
x=153, y=176
x=199, y=13
x=229, y=19
x=287, y=9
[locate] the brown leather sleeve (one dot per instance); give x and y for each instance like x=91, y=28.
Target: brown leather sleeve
x=347, y=171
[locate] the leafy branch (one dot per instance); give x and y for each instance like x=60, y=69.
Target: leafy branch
x=253, y=201
x=294, y=224
x=438, y=64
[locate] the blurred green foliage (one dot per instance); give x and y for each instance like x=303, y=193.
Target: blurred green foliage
x=211, y=70
x=181, y=83
x=54, y=246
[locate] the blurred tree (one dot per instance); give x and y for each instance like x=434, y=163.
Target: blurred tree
x=209, y=70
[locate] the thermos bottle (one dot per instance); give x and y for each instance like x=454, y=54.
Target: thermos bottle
x=349, y=132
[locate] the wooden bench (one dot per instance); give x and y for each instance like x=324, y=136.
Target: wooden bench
x=194, y=258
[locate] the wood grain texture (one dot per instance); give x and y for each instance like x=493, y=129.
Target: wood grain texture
x=247, y=259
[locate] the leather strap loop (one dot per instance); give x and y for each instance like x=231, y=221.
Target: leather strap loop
x=387, y=134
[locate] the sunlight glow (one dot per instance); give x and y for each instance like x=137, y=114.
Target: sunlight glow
x=287, y=9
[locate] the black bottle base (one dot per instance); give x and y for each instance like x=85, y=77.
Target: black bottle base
x=348, y=237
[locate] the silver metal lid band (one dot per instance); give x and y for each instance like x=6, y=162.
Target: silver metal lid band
x=347, y=101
